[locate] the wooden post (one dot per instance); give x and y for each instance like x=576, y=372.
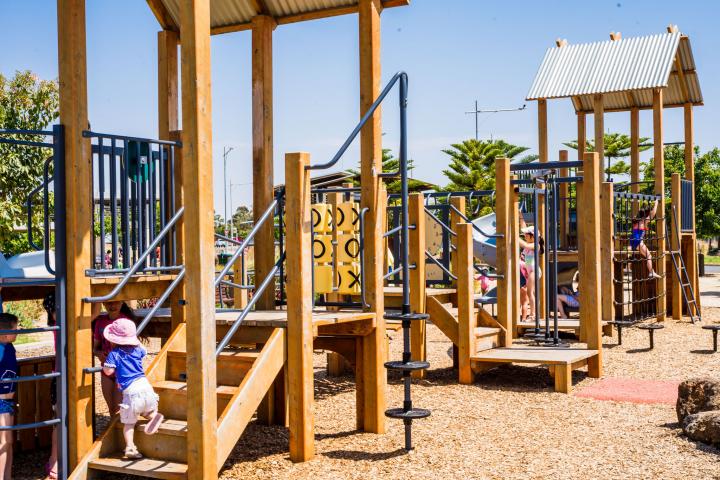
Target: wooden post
x=199, y=248
x=607, y=250
x=240, y=297
x=589, y=259
x=676, y=219
x=635, y=150
x=599, y=121
x=514, y=256
x=299, y=307
x=659, y=155
x=564, y=205
x=503, y=213
x=262, y=134
x=416, y=246
x=177, y=307
x=690, y=252
x=466, y=310
x=581, y=134
x=72, y=69
x=542, y=130
x=455, y=220
x=168, y=130
x=374, y=345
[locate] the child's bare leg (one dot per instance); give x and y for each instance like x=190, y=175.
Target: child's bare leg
x=6, y=446
x=531, y=292
x=523, y=303
x=646, y=253
x=111, y=394
x=561, y=300
x=129, y=435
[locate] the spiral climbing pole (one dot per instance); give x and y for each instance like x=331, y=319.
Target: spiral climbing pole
x=407, y=413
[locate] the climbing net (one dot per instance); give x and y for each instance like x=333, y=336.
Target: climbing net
x=636, y=241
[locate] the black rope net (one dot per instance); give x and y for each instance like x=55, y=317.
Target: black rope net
x=637, y=256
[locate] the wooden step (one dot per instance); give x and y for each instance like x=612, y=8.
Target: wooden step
x=486, y=338
x=145, y=467
x=173, y=398
x=169, y=443
x=232, y=365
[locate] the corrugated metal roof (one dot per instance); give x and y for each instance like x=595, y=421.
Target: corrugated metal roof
x=624, y=71
x=228, y=13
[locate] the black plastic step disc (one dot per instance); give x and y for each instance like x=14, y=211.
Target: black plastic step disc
x=408, y=366
x=414, y=414
x=405, y=316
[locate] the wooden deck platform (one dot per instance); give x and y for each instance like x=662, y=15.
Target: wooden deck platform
x=565, y=325
x=561, y=361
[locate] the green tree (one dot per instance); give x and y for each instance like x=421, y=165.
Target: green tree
x=26, y=103
x=472, y=166
x=242, y=219
x=391, y=164
x=707, y=185
x=617, y=147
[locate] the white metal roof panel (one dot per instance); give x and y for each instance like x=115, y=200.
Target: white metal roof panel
x=624, y=71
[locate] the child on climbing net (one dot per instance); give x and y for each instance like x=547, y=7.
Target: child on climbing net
x=138, y=397
x=527, y=266
x=639, y=227
x=8, y=370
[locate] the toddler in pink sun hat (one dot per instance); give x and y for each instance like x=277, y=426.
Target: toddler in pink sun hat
x=138, y=397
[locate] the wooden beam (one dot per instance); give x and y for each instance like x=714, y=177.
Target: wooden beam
x=607, y=253
x=262, y=132
x=371, y=197
x=299, y=306
x=659, y=159
x=599, y=122
x=162, y=15
x=503, y=214
x=589, y=259
x=199, y=244
x=542, y=130
x=416, y=256
x=581, y=134
x=466, y=310
x=675, y=246
x=72, y=76
x=635, y=150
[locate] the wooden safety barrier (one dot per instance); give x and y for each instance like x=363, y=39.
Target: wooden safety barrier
x=34, y=403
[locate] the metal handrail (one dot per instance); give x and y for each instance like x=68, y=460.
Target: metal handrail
x=143, y=257
x=475, y=227
x=525, y=167
x=267, y=214
x=361, y=124
x=246, y=311
x=29, y=204
x=90, y=134
x=439, y=264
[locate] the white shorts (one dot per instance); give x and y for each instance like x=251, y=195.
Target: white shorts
x=139, y=399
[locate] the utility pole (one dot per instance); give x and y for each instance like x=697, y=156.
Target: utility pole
x=226, y=150
x=478, y=111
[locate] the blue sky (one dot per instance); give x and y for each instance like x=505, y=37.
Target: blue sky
x=455, y=52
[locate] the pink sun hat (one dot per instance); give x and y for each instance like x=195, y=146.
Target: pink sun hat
x=121, y=332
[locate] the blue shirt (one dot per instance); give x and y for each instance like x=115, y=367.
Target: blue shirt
x=8, y=367
x=127, y=362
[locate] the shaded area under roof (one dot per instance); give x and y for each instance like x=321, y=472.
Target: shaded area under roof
x=236, y=15
x=625, y=71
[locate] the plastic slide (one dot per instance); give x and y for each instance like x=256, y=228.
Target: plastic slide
x=484, y=247
x=26, y=265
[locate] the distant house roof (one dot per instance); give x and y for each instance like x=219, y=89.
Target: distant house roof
x=235, y=15
x=625, y=71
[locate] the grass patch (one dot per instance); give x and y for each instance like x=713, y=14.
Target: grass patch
x=712, y=259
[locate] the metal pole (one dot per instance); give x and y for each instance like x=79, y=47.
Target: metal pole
x=476, y=120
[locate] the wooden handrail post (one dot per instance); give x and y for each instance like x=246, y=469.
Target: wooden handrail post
x=589, y=259
x=455, y=220
x=299, y=306
x=659, y=162
x=504, y=267
x=607, y=250
x=675, y=221
x=466, y=312
x=177, y=309
x=416, y=247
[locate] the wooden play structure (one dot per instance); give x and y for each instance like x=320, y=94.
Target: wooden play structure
x=144, y=230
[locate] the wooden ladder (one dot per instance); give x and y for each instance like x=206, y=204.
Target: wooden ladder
x=243, y=378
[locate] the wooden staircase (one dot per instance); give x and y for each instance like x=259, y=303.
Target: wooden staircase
x=243, y=378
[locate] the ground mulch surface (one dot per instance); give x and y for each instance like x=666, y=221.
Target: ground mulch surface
x=508, y=425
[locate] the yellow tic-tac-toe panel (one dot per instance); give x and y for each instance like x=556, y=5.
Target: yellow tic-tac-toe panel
x=323, y=279
x=348, y=219
x=322, y=218
x=348, y=279
x=322, y=248
x=348, y=248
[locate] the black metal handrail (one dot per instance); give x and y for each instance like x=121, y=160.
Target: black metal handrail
x=140, y=261
x=29, y=202
x=475, y=227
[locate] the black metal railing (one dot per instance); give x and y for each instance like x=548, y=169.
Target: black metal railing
x=16, y=141
x=687, y=213
x=133, y=200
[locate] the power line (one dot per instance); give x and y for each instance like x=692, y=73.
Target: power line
x=478, y=111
